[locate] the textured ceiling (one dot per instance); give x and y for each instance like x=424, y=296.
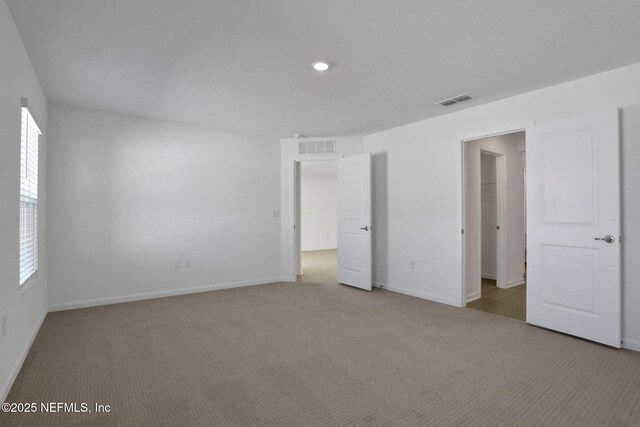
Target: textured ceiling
x=244, y=65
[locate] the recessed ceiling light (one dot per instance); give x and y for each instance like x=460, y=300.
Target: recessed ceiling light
x=320, y=65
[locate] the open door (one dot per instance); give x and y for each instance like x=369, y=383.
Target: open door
x=573, y=227
x=354, y=221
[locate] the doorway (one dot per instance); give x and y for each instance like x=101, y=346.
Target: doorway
x=318, y=216
x=495, y=224
x=572, y=258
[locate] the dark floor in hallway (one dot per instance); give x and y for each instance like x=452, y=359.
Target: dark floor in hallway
x=510, y=302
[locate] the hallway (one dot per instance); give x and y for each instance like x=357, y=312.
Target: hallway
x=510, y=302
x=319, y=266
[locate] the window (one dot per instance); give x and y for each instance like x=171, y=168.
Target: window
x=28, y=196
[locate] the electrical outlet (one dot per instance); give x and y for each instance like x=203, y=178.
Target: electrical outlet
x=3, y=327
x=275, y=213
x=177, y=264
x=187, y=263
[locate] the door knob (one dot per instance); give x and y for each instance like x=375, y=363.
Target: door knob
x=365, y=228
x=608, y=238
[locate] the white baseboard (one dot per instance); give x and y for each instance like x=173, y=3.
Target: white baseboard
x=418, y=294
x=513, y=283
x=474, y=296
x=630, y=344
x=159, y=294
x=6, y=387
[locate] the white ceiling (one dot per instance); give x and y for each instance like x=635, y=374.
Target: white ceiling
x=325, y=167
x=244, y=65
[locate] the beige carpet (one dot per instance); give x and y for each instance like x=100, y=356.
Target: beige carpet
x=319, y=266
x=330, y=355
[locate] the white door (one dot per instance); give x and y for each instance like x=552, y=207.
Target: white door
x=573, y=227
x=354, y=221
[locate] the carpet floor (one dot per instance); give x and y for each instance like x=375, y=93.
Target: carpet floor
x=291, y=354
x=319, y=266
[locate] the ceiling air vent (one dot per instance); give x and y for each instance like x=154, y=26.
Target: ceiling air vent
x=454, y=100
x=317, y=146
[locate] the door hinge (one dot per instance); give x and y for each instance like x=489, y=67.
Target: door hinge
x=498, y=227
x=462, y=231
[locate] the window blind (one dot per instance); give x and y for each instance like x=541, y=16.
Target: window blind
x=28, y=196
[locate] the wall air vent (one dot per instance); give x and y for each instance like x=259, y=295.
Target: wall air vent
x=454, y=100
x=316, y=146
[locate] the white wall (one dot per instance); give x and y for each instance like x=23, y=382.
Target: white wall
x=130, y=196
x=418, y=193
x=24, y=309
x=489, y=215
x=319, y=203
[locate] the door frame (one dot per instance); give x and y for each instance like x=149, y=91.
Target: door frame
x=502, y=201
x=295, y=196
